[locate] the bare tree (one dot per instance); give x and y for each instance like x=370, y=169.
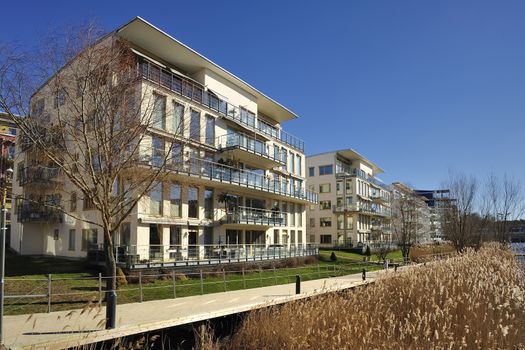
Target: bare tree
x=95, y=121
x=462, y=225
x=503, y=202
x=406, y=217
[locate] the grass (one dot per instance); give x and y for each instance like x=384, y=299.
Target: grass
x=74, y=289
x=346, y=257
x=473, y=301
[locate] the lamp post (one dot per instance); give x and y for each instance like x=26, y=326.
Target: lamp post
x=8, y=174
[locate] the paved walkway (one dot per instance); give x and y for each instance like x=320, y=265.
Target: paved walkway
x=72, y=328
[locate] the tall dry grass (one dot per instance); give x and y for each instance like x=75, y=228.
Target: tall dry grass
x=472, y=301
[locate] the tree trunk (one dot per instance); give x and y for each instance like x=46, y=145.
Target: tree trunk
x=111, y=281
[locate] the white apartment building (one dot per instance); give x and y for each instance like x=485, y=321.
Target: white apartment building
x=416, y=219
x=354, y=206
x=239, y=190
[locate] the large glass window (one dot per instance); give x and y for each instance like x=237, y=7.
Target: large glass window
x=195, y=126
x=311, y=171
x=175, y=236
x=72, y=237
x=193, y=202
x=326, y=239
x=291, y=162
x=210, y=130
x=176, y=153
x=292, y=214
x=178, y=119
x=155, y=195
x=326, y=169
x=89, y=238
x=159, y=112
x=208, y=203
x=157, y=151
x=175, y=200
x=348, y=186
x=324, y=188
x=325, y=222
x=325, y=205
x=125, y=234
x=299, y=169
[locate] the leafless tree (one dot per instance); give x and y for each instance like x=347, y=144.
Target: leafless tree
x=503, y=202
x=462, y=225
x=93, y=119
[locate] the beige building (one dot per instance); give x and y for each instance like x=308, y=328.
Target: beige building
x=238, y=191
x=354, y=206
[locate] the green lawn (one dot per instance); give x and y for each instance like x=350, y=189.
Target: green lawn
x=345, y=257
x=75, y=285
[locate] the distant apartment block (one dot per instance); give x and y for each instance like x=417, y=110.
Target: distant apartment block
x=7, y=155
x=437, y=201
x=354, y=205
x=238, y=193
x=411, y=215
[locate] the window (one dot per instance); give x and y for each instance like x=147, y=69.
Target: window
x=299, y=169
x=312, y=239
x=73, y=202
x=349, y=222
x=176, y=153
x=175, y=236
x=195, y=126
x=340, y=222
x=88, y=204
x=300, y=237
x=311, y=171
x=157, y=151
x=155, y=199
x=325, y=222
x=326, y=169
x=300, y=210
x=193, y=202
x=326, y=239
x=210, y=130
x=178, y=119
x=60, y=98
x=325, y=205
x=159, y=112
x=175, y=200
x=276, y=237
x=38, y=108
x=125, y=234
x=348, y=186
x=247, y=117
x=324, y=188
x=292, y=236
x=72, y=234
x=291, y=162
x=292, y=214
x=89, y=238
x=312, y=222
x=284, y=153
x=339, y=187
x=208, y=203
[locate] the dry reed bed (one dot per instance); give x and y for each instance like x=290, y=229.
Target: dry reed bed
x=473, y=301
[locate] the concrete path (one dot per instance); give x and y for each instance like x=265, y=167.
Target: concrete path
x=64, y=329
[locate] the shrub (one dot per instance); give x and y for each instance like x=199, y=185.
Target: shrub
x=333, y=257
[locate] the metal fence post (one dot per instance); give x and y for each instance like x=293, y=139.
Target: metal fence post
x=202, y=283
x=99, y=289
x=224, y=279
x=49, y=293
x=174, y=278
x=140, y=286
x=243, y=279
x=364, y=275
x=297, y=284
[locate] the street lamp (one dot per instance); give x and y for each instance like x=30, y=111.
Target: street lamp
x=8, y=174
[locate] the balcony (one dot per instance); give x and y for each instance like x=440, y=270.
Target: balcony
x=196, y=93
x=36, y=213
x=362, y=175
x=39, y=175
x=254, y=216
x=377, y=197
x=250, y=150
x=219, y=173
x=360, y=209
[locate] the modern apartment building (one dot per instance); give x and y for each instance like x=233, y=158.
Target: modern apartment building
x=238, y=190
x=411, y=215
x=437, y=201
x=7, y=155
x=354, y=206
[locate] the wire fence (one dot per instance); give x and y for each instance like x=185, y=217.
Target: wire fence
x=53, y=293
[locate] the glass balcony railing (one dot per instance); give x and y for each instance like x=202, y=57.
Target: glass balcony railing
x=38, y=174
x=359, y=208
x=250, y=144
x=206, y=169
x=198, y=94
x=362, y=175
x=255, y=216
x=36, y=213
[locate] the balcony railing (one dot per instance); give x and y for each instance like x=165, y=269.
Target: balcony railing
x=143, y=256
x=250, y=144
x=38, y=174
x=364, y=176
x=379, y=196
x=196, y=93
x=225, y=174
x=255, y=216
x=34, y=213
x=359, y=208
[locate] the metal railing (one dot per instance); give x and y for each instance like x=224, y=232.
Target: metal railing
x=255, y=216
x=34, y=213
x=240, y=177
x=362, y=175
x=38, y=174
x=197, y=93
x=359, y=208
x=250, y=144
x=146, y=256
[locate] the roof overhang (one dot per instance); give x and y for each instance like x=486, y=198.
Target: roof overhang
x=352, y=155
x=147, y=36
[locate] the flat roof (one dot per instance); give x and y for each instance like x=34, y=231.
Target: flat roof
x=352, y=154
x=169, y=49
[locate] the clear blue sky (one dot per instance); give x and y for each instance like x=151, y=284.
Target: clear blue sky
x=419, y=87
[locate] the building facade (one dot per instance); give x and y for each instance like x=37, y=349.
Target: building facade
x=237, y=188
x=354, y=206
x=437, y=201
x=412, y=221
x=7, y=155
